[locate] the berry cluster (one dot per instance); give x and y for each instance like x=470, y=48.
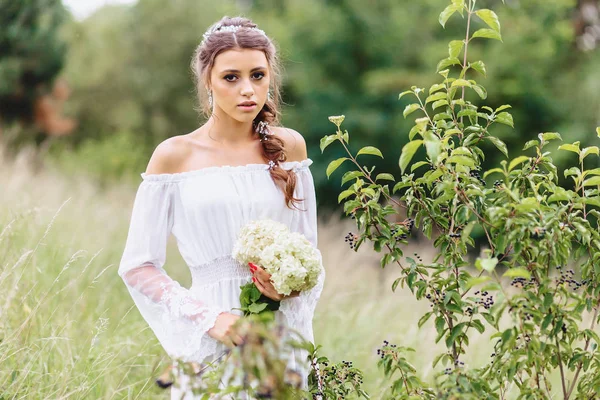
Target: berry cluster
x=475, y=174
x=340, y=374
x=383, y=352
x=437, y=299
x=457, y=364
x=399, y=233
x=456, y=234
x=409, y=223
x=566, y=276
x=497, y=184
x=523, y=283
x=487, y=301
x=351, y=239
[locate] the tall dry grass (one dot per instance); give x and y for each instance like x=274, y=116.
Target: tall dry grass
x=68, y=327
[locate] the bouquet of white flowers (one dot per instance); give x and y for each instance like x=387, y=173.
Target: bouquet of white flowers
x=288, y=256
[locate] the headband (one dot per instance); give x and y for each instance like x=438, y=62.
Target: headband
x=229, y=28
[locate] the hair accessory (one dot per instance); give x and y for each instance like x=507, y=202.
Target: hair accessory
x=229, y=28
x=262, y=128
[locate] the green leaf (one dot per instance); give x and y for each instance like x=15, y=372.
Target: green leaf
x=462, y=160
x=447, y=13
x=548, y=136
x=446, y=62
x=435, y=97
x=410, y=109
x=476, y=280
x=487, y=264
x=257, y=307
x=351, y=175
x=506, y=119
x=570, y=147
x=517, y=272
x=517, y=161
x=499, y=144
x=598, y=131
x=385, y=176
x=587, y=151
x=408, y=151
x=424, y=318
x=417, y=165
x=374, y=151
x=435, y=87
x=432, y=145
x=439, y=103
x=400, y=185
x=345, y=194
x=334, y=165
x=326, y=141
x=467, y=112
x=478, y=325
x=490, y=18
x=454, y=48
x=456, y=330
x=530, y=144
x=593, y=181
x=480, y=90
x=479, y=66
x=461, y=83
x=404, y=94
x=492, y=171
x=487, y=33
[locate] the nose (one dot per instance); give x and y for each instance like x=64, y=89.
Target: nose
x=247, y=89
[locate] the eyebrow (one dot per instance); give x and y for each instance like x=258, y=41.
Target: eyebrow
x=237, y=70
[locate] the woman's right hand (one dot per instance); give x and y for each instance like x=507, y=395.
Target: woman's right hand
x=223, y=330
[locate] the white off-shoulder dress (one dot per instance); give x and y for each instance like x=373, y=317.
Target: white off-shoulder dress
x=205, y=209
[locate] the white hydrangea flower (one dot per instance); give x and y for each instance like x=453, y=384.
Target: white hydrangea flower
x=288, y=256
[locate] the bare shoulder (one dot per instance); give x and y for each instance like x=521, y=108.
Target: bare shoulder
x=294, y=143
x=169, y=156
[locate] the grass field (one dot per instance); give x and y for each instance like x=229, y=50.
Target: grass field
x=68, y=327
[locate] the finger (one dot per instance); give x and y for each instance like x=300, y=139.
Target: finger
x=227, y=342
x=266, y=290
x=237, y=339
x=258, y=284
x=261, y=274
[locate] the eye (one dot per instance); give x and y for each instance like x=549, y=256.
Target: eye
x=228, y=76
x=260, y=75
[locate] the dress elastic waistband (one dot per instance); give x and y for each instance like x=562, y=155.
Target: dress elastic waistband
x=221, y=268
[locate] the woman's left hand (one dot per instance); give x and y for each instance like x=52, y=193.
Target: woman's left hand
x=262, y=280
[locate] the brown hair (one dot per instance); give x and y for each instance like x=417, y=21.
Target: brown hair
x=202, y=64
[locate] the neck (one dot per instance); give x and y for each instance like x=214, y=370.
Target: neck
x=228, y=131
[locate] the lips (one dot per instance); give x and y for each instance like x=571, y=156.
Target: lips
x=247, y=104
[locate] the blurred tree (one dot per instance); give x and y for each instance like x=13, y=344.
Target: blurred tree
x=587, y=24
x=32, y=54
x=130, y=70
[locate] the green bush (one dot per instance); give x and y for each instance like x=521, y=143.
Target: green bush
x=106, y=159
x=537, y=285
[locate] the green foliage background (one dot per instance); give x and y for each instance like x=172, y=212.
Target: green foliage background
x=129, y=71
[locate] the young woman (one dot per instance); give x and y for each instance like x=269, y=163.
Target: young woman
x=204, y=186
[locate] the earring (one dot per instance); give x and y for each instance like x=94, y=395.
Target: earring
x=269, y=94
x=210, y=98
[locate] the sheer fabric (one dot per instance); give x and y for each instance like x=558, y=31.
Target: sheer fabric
x=204, y=210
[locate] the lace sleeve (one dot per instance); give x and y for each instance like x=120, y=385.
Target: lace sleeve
x=178, y=318
x=299, y=311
